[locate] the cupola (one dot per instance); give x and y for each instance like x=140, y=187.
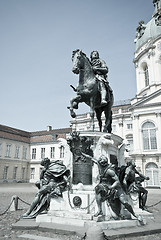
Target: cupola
x=148, y=53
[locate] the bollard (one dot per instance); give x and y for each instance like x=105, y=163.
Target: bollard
x=14, y=204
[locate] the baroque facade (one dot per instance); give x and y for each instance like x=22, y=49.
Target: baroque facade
x=14, y=155
x=21, y=152
x=51, y=144
x=138, y=120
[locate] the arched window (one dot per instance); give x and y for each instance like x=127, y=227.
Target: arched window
x=149, y=136
x=146, y=75
x=152, y=172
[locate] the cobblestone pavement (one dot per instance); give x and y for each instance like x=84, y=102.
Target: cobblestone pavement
x=26, y=192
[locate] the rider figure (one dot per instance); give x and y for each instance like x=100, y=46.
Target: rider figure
x=100, y=69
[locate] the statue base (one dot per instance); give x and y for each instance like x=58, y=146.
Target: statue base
x=64, y=213
x=77, y=207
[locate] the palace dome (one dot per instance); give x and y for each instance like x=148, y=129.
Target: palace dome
x=149, y=31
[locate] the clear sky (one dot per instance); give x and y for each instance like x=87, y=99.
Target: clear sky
x=37, y=38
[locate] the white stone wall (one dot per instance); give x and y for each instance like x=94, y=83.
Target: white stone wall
x=35, y=163
x=151, y=57
x=12, y=161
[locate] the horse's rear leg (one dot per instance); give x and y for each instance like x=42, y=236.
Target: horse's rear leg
x=92, y=112
x=98, y=115
x=109, y=127
x=108, y=122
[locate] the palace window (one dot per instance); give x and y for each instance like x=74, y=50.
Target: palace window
x=152, y=172
x=14, y=172
x=52, y=152
x=146, y=74
x=24, y=153
x=42, y=153
x=5, y=172
x=34, y=153
x=129, y=139
x=61, y=152
x=149, y=136
x=129, y=126
x=8, y=150
x=32, y=173
x=17, y=152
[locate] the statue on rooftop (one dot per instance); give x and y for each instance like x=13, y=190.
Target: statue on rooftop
x=157, y=3
x=140, y=30
x=93, y=88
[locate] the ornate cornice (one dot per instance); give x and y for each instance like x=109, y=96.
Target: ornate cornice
x=143, y=52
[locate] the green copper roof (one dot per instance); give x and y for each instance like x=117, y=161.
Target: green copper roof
x=151, y=30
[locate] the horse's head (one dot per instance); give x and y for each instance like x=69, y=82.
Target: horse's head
x=77, y=61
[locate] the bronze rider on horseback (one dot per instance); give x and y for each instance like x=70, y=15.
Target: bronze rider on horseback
x=100, y=70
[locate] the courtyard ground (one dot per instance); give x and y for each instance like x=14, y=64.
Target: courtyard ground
x=26, y=193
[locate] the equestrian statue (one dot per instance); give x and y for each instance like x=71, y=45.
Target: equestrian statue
x=93, y=88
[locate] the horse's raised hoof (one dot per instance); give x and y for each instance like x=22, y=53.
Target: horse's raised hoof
x=73, y=115
x=75, y=105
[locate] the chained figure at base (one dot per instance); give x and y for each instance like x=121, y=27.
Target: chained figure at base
x=54, y=180
x=131, y=183
x=109, y=189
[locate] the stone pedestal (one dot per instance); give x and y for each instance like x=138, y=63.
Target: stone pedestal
x=78, y=206
x=106, y=144
x=61, y=213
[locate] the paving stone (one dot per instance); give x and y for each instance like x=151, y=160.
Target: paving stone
x=35, y=237
x=148, y=232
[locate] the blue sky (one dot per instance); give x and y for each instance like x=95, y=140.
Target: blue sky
x=37, y=38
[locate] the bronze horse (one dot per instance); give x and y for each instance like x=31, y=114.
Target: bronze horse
x=88, y=92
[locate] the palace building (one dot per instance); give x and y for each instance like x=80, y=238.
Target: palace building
x=21, y=152
x=137, y=120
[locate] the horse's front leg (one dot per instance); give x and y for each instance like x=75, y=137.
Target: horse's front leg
x=74, y=104
x=98, y=115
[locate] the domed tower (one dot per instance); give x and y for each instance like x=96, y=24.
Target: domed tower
x=148, y=54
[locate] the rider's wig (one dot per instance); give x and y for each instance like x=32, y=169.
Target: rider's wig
x=93, y=52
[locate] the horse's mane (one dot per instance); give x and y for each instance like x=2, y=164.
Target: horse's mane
x=77, y=50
